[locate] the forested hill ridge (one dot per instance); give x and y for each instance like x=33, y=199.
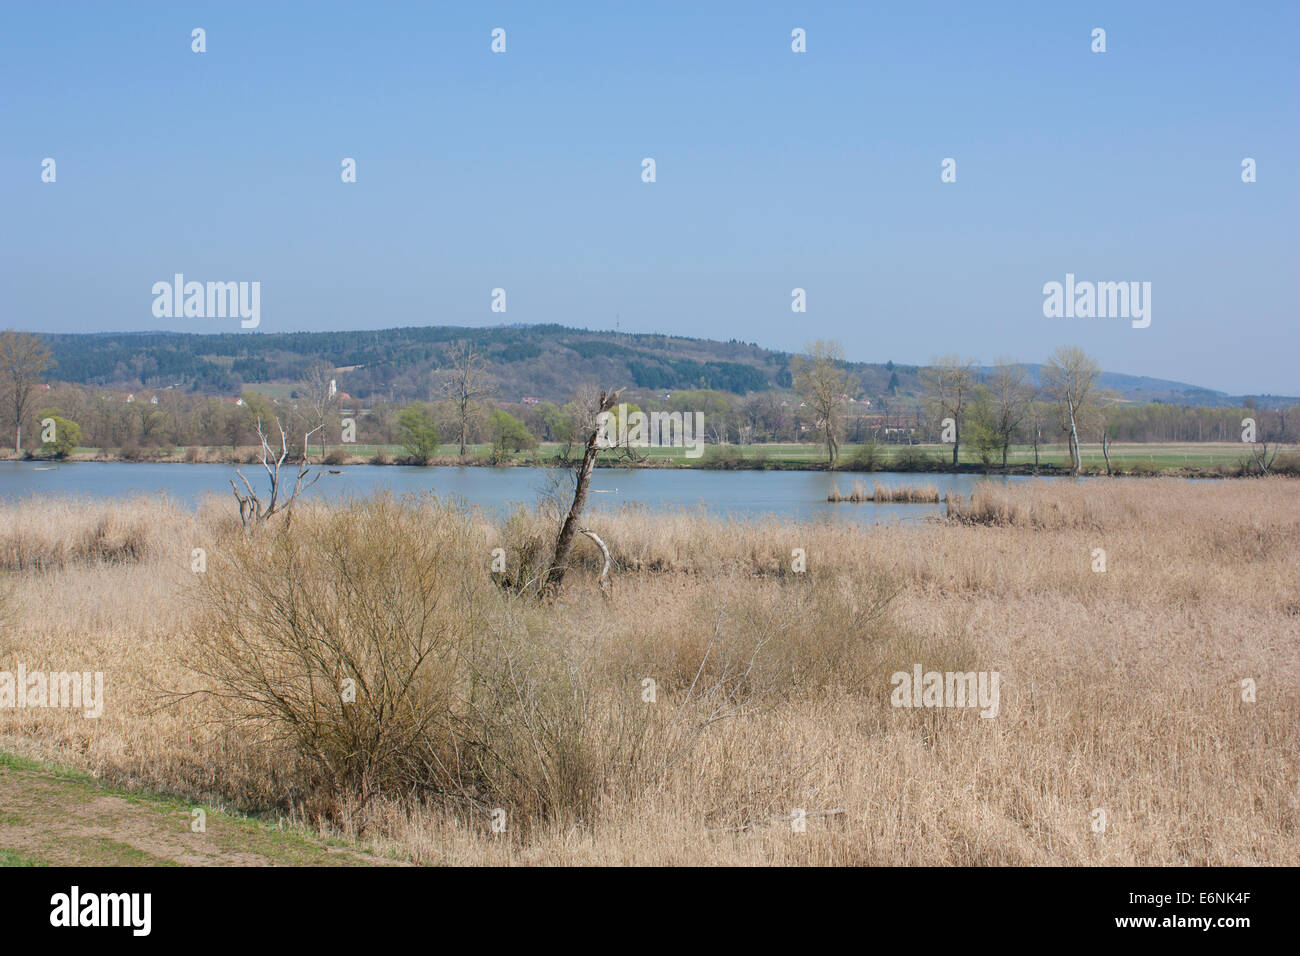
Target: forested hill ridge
x=542, y=361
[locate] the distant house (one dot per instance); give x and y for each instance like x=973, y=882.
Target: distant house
x=530, y=400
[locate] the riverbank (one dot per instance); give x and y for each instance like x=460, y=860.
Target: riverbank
x=1191, y=460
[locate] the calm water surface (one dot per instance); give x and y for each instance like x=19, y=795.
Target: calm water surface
x=792, y=494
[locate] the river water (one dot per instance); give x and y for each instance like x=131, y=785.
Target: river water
x=791, y=494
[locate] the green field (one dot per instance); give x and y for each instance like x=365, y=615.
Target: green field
x=1188, y=456
x=1168, y=456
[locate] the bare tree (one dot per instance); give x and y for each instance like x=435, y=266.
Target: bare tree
x=1009, y=386
x=622, y=439
x=1070, y=378
x=1099, y=422
x=321, y=395
x=572, y=523
x=1037, y=414
x=466, y=383
x=23, y=360
x=948, y=383
x=579, y=416
x=1263, y=455
x=822, y=382
x=253, y=511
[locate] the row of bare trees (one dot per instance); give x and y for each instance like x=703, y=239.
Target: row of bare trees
x=997, y=405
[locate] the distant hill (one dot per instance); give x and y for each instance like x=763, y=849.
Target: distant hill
x=543, y=361
x=1142, y=388
x=546, y=361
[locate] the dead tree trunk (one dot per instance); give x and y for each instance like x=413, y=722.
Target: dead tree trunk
x=253, y=512
x=604, y=571
x=564, y=544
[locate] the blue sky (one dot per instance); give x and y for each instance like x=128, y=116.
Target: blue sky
x=775, y=170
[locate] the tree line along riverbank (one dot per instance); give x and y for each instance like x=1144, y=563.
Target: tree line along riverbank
x=1191, y=460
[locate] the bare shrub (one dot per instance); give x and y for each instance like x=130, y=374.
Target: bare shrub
x=911, y=458
x=869, y=456
x=369, y=648
x=723, y=458
x=132, y=451
x=372, y=600
x=528, y=540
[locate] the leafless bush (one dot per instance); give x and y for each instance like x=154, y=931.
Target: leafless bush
x=344, y=642
x=369, y=648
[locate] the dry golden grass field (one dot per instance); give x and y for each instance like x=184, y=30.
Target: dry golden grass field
x=477, y=703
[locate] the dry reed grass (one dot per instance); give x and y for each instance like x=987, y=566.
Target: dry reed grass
x=52, y=534
x=1120, y=691
x=891, y=494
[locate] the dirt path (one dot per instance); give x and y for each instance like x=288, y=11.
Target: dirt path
x=49, y=818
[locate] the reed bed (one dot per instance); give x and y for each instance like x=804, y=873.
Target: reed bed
x=887, y=494
x=770, y=646
x=43, y=535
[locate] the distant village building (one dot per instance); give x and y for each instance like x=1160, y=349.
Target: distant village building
x=530, y=400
